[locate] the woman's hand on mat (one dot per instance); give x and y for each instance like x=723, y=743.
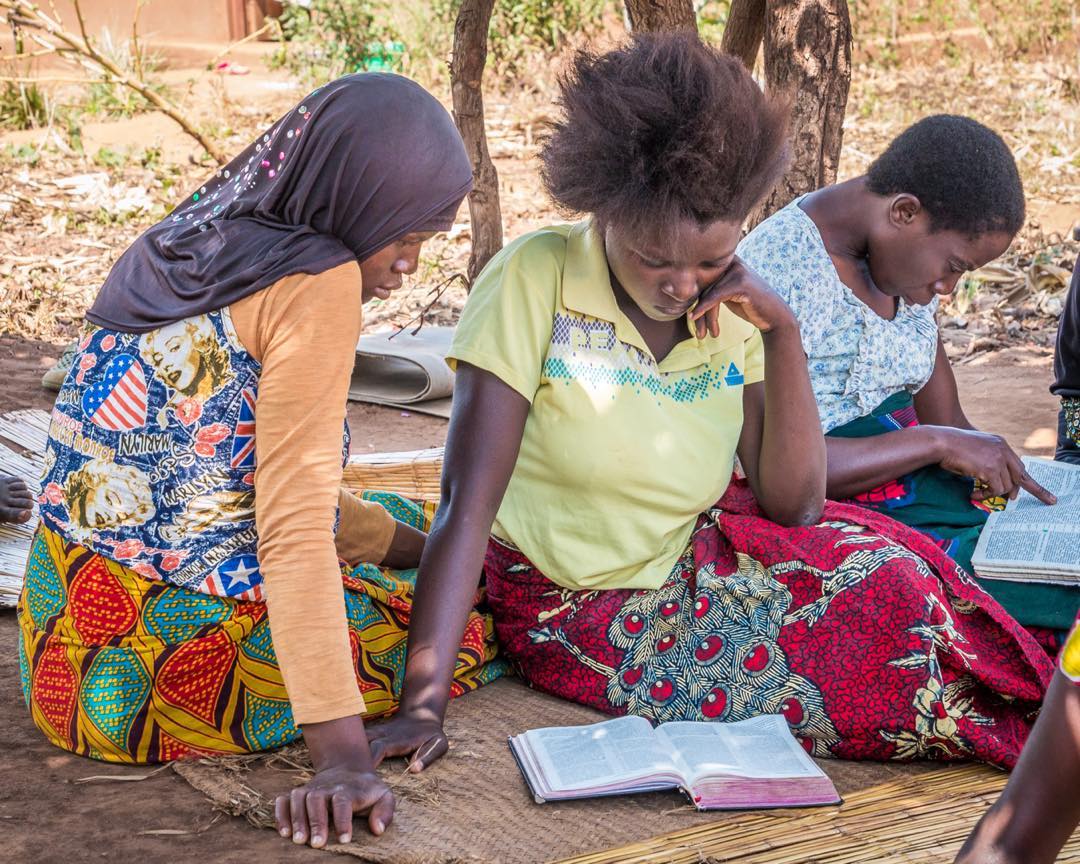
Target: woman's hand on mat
x=345, y=782
x=339, y=791
x=997, y=470
x=16, y=502
x=747, y=295
x=420, y=739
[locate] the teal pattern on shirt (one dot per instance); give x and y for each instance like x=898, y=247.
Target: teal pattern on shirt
x=609, y=363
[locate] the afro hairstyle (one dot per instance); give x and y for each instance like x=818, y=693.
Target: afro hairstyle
x=663, y=130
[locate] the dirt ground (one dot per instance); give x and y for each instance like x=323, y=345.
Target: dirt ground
x=50, y=267
x=47, y=816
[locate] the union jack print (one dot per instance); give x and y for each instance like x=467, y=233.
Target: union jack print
x=243, y=447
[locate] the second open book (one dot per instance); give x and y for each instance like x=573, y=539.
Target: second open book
x=753, y=763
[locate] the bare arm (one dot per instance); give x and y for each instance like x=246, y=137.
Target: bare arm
x=857, y=465
x=945, y=437
x=781, y=448
x=938, y=403
x=1039, y=808
x=482, y=447
x=301, y=409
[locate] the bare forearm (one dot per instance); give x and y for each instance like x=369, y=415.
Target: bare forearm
x=480, y=457
x=791, y=465
x=340, y=742
x=1039, y=808
x=857, y=465
x=449, y=574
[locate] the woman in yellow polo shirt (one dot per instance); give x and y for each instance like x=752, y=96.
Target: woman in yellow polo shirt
x=589, y=461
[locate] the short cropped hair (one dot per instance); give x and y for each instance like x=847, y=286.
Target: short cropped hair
x=662, y=130
x=962, y=173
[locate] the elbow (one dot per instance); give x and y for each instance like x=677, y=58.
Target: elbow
x=798, y=516
x=811, y=515
x=797, y=509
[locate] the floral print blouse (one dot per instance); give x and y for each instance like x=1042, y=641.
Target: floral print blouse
x=857, y=359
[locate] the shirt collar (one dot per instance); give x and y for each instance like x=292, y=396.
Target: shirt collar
x=586, y=286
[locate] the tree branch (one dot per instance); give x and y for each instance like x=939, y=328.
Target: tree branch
x=744, y=30
x=466, y=75
x=31, y=15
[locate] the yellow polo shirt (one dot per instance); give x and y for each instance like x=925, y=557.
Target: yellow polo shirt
x=1070, y=655
x=620, y=454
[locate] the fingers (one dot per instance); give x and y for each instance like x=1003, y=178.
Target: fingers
x=315, y=805
x=15, y=514
x=281, y=815
x=308, y=813
x=378, y=750
x=384, y=747
x=298, y=809
x=342, y=807
x=1001, y=483
x=428, y=752
x=382, y=813
x=1045, y=495
x=1022, y=480
x=707, y=304
x=16, y=502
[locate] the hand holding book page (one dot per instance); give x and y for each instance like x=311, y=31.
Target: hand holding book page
x=751, y=763
x=1030, y=541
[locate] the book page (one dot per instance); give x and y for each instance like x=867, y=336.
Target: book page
x=759, y=747
x=581, y=757
x=1031, y=536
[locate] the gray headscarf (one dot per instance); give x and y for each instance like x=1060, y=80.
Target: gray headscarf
x=358, y=164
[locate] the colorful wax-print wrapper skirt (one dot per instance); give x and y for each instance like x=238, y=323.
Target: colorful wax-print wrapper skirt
x=125, y=669
x=862, y=632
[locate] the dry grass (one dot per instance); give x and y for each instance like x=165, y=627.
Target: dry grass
x=57, y=244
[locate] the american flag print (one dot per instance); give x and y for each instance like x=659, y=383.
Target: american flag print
x=237, y=577
x=243, y=447
x=118, y=401
x=181, y=473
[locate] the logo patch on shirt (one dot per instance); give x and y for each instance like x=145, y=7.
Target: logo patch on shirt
x=733, y=378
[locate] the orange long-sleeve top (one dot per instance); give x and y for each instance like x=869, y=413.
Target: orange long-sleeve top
x=303, y=331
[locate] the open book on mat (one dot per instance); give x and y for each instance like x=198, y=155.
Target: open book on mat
x=750, y=764
x=1030, y=542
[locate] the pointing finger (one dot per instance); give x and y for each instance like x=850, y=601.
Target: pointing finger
x=1043, y=494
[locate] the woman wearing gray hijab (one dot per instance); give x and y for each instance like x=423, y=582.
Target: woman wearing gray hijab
x=195, y=587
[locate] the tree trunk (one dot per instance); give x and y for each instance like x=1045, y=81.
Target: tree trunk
x=744, y=30
x=466, y=75
x=653, y=15
x=808, y=61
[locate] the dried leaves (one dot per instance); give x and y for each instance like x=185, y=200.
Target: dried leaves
x=62, y=225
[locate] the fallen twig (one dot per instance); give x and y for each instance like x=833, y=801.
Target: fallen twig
x=30, y=15
x=122, y=778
